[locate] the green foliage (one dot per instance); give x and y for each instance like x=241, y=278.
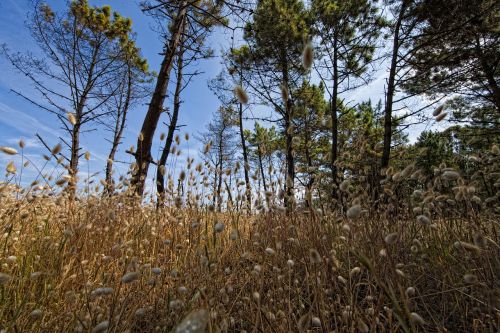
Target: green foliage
x=348, y=31
x=279, y=27
x=456, y=51
x=95, y=21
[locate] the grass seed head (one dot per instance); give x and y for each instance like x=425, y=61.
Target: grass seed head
x=71, y=118
x=441, y=116
x=470, y=278
x=101, y=327
x=417, y=319
x=4, y=278
x=308, y=56
x=391, y=238
x=8, y=150
x=354, y=212
x=241, y=94
x=314, y=256
x=130, y=277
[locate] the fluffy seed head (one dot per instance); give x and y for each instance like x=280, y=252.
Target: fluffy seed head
x=270, y=251
x=450, y=175
x=4, y=278
x=11, y=168
x=71, y=118
x=130, y=277
x=57, y=149
x=391, y=238
x=354, y=211
x=441, y=116
x=410, y=291
x=219, y=227
x=194, y=322
x=314, y=256
x=307, y=56
x=423, y=219
x=8, y=150
x=37, y=313
x=103, y=291
x=480, y=241
x=438, y=110
x=470, y=278
x=316, y=322
x=241, y=94
x=417, y=319
x=101, y=327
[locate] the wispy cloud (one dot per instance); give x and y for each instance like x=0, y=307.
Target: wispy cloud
x=28, y=142
x=23, y=122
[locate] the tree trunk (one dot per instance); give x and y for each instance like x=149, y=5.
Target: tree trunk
x=290, y=167
x=160, y=177
x=120, y=126
x=245, y=159
x=259, y=154
x=333, y=114
x=143, y=154
x=391, y=87
x=221, y=171
x=310, y=183
x=73, y=163
x=290, y=174
x=489, y=73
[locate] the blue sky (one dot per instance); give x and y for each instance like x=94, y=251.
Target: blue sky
x=20, y=119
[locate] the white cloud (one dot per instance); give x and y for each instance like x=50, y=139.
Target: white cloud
x=29, y=143
x=23, y=122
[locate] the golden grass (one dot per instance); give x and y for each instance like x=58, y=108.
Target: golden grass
x=282, y=273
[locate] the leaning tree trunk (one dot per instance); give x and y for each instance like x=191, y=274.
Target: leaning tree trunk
x=219, y=183
x=145, y=141
x=120, y=126
x=391, y=88
x=160, y=171
x=245, y=159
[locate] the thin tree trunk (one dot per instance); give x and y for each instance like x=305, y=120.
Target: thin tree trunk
x=120, y=126
x=219, y=184
x=143, y=154
x=333, y=114
x=310, y=183
x=245, y=159
x=290, y=167
x=160, y=177
x=73, y=163
x=259, y=154
x=391, y=87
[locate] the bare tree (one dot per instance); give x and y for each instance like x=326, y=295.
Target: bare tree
x=83, y=50
x=219, y=139
x=129, y=88
x=182, y=20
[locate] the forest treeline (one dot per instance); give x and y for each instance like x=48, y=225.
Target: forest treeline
x=290, y=70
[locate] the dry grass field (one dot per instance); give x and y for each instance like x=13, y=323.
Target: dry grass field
x=111, y=264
